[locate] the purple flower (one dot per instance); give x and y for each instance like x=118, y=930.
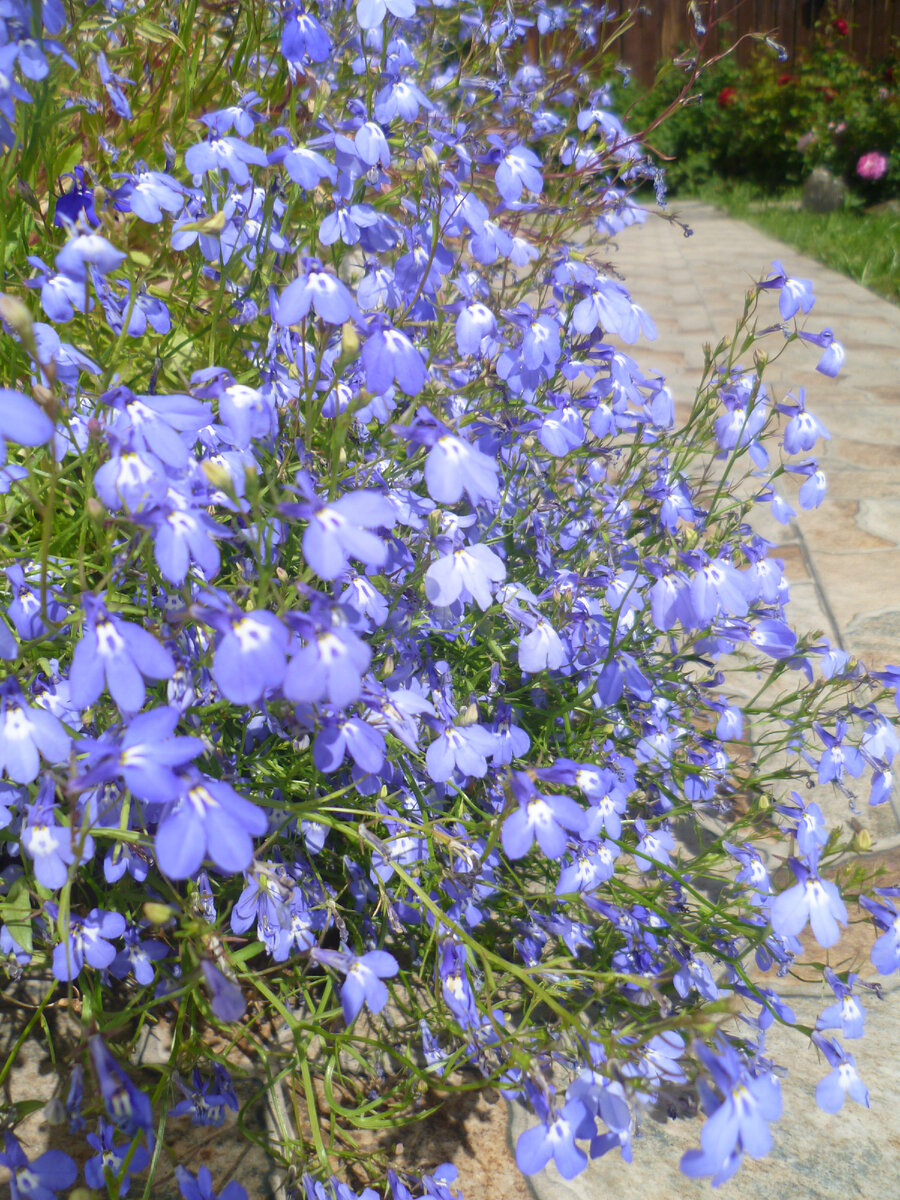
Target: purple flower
x=200, y=1188
x=226, y=999
x=847, y=1014
x=544, y=817
x=463, y=748
x=87, y=942
x=224, y=154
x=116, y=653
x=26, y=734
x=794, y=294
x=49, y=845
x=138, y=957
x=38, y=1180
x=843, y=1081
x=371, y=13
x=110, y=1158
x=22, y=421
x=208, y=818
x=128, y=1109
x=302, y=36
x=738, y=1125
x=810, y=899
x=329, y=667
x=469, y=572
x=145, y=756
x=365, y=745
x=339, y=531
x=315, y=289
x=363, y=975
x=87, y=250
x=389, y=357
x=519, y=169
x=542, y=648
x=250, y=656
x=555, y=1138
x=454, y=467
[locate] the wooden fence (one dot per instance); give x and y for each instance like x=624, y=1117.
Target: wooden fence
x=659, y=33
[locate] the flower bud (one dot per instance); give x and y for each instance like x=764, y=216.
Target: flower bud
x=217, y=474
x=862, y=841
x=17, y=316
x=158, y=914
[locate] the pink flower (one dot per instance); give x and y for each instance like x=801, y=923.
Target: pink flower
x=872, y=165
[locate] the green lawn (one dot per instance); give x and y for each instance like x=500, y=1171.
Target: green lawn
x=864, y=245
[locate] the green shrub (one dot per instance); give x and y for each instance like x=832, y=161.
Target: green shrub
x=770, y=122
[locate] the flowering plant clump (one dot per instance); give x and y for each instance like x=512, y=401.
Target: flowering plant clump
x=379, y=639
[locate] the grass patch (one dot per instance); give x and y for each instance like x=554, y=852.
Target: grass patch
x=855, y=241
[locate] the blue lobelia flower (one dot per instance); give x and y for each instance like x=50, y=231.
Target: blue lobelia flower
x=371, y=13
x=86, y=250
x=462, y=748
x=228, y=153
x=794, y=294
x=389, y=357
x=739, y=1124
x=469, y=572
x=810, y=899
x=328, y=666
x=362, y=978
x=250, y=654
x=317, y=290
x=846, y=1014
x=555, y=1138
x=87, y=942
x=545, y=817
x=38, y=1180
x=303, y=37
x=226, y=998
x=843, y=1081
x=22, y=421
x=144, y=758
x=208, y=818
x=520, y=168
x=128, y=1109
x=26, y=734
x=454, y=467
x=110, y=1159
x=48, y=844
x=117, y=654
x=200, y=1188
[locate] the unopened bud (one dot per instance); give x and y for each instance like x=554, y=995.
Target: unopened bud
x=862, y=841
x=158, y=914
x=349, y=340
x=95, y=509
x=217, y=474
x=17, y=316
x=213, y=224
x=470, y=716
x=430, y=158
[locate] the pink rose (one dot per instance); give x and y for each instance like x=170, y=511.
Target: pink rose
x=872, y=165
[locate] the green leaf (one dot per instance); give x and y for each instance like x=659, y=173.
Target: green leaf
x=15, y=910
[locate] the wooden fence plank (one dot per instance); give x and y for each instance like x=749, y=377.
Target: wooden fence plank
x=659, y=32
